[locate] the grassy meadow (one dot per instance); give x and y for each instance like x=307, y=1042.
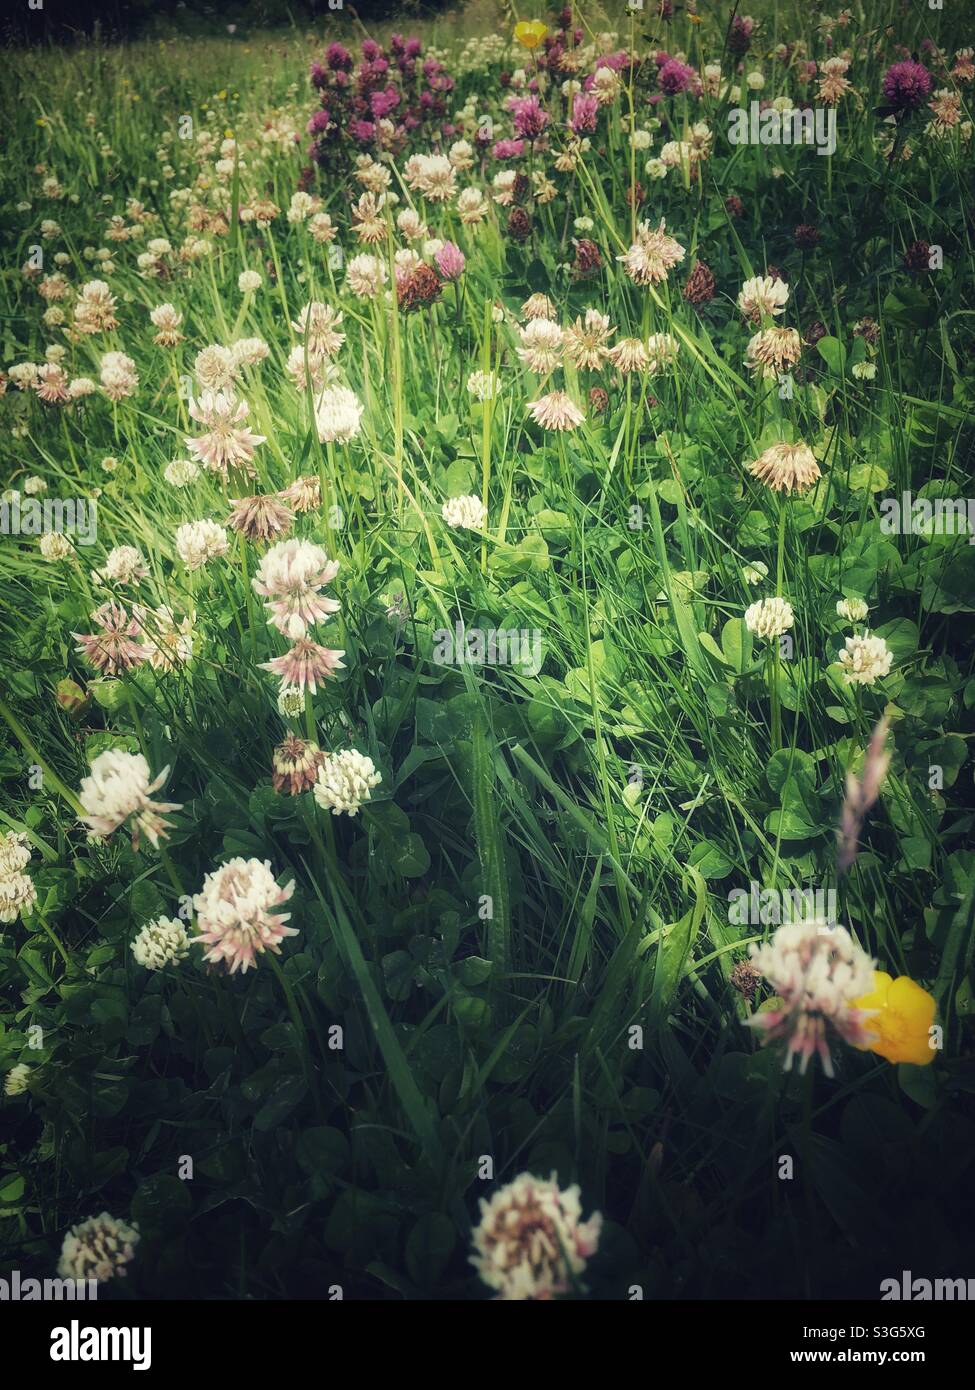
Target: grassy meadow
x=415, y=733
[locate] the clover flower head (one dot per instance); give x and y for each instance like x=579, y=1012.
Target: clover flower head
x=99, y=1248
x=819, y=974
x=531, y=1243
x=235, y=914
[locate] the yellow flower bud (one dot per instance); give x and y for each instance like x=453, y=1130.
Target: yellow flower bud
x=901, y=1023
x=530, y=32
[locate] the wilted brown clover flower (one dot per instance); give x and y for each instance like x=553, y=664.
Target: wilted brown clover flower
x=418, y=288
x=588, y=259
x=917, y=257
x=700, y=285
x=261, y=517
x=786, y=467
x=295, y=764
x=303, y=495
x=868, y=329
x=521, y=188
x=772, y=351
x=113, y=649
x=519, y=225
x=652, y=255
x=744, y=978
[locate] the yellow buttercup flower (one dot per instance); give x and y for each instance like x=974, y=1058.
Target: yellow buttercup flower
x=902, y=1021
x=530, y=32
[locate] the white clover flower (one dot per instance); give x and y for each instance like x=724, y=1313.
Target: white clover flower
x=653, y=254
x=661, y=351
x=23, y=374
x=15, y=1083
x=118, y=376
x=247, y=352
x=164, y=941
x=556, y=411
x=17, y=896
x=291, y=701
x=200, y=541
x=818, y=972
x=180, y=472
x=762, y=295
x=854, y=610
x=472, y=207
x=234, y=916
x=14, y=852
x=365, y=276
x=465, y=513
x=411, y=224
x=167, y=640
x=310, y=369
x=769, y=617
x=98, y=1248
x=319, y=325
x=755, y=572
x=433, y=175
x=865, y=659
x=302, y=206
x=483, y=386
x=123, y=565
x=55, y=545
x=338, y=415
x=675, y=153
x=321, y=228
x=215, y=368
x=118, y=790
x=345, y=781
x=290, y=578
x=531, y=1242
x=864, y=371
x=248, y=281
x=541, y=345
